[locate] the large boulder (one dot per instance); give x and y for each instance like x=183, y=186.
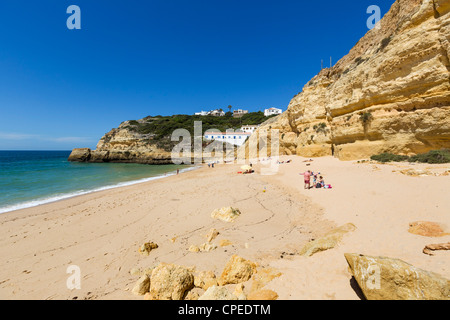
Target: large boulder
x=383, y=278
x=237, y=270
x=80, y=155
x=328, y=241
x=170, y=282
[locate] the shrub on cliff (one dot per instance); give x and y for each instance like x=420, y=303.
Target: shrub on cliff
x=435, y=156
x=389, y=157
x=432, y=157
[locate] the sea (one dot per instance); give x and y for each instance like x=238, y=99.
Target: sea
x=32, y=178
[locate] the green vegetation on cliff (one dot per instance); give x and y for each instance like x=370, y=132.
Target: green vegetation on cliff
x=163, y=127
x=435, y=156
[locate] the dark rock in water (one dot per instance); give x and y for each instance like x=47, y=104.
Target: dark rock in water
x=80, y=155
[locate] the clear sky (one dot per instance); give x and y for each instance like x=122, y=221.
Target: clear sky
x=61, y=89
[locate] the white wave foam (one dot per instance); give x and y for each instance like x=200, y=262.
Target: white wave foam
x=38, y=202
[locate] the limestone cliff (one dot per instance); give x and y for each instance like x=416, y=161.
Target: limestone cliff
x=124, y=145
x=390, y=93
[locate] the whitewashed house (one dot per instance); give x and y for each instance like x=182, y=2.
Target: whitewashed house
x=203, y=113
x=272, y=111
x=214, y=113
x=235, y=138
x=217, y=113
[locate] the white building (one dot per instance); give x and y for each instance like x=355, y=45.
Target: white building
x=249, y=128
x=215, y=113
x=239, y=113
x=272, y=111
x=235, y=138
x=203, y=113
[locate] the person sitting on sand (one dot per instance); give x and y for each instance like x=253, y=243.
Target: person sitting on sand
x=320, y=183
x=307, y=176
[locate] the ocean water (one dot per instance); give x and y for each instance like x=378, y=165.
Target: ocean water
x=31, y=178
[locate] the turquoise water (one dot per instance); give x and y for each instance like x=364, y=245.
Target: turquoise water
x=30, y=178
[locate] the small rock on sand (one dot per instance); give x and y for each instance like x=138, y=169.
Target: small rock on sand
x=146, y=248
x=328, y=241
x=427, y=229
x=142, y=286
x=226, y=214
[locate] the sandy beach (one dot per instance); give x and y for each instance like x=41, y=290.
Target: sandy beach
x=102, y=232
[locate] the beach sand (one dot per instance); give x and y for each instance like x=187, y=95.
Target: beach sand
x=102, y=232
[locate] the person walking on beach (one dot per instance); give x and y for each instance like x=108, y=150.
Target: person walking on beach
x=178, y=171
x=307, y=176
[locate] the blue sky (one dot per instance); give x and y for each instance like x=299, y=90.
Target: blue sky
x=61, y=88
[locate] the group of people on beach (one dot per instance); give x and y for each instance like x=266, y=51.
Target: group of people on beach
x=317, y=180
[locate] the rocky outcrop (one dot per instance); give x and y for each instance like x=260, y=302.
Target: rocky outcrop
x=328, y=241
x=124, y=145
x=390, y=93
x=383, y=278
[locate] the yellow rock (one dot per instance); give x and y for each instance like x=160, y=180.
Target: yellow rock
x=213, y=233
x=146, y=248
x=142, y=286
x=328, y=241
x=226, y=214
x=225, y=243
x=194, y=248
x=170, y=282
x=427, y=229
x=237, y=270
x=383, y=278
x=205, y=280
x=263, y=277
x=217, y=293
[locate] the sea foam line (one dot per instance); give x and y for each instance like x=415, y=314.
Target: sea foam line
x=38, y=202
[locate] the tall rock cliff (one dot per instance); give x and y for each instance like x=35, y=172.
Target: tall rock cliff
x=391, y=93
x=123, y=144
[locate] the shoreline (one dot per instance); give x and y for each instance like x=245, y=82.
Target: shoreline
x=101, y=232
x=70, y=195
